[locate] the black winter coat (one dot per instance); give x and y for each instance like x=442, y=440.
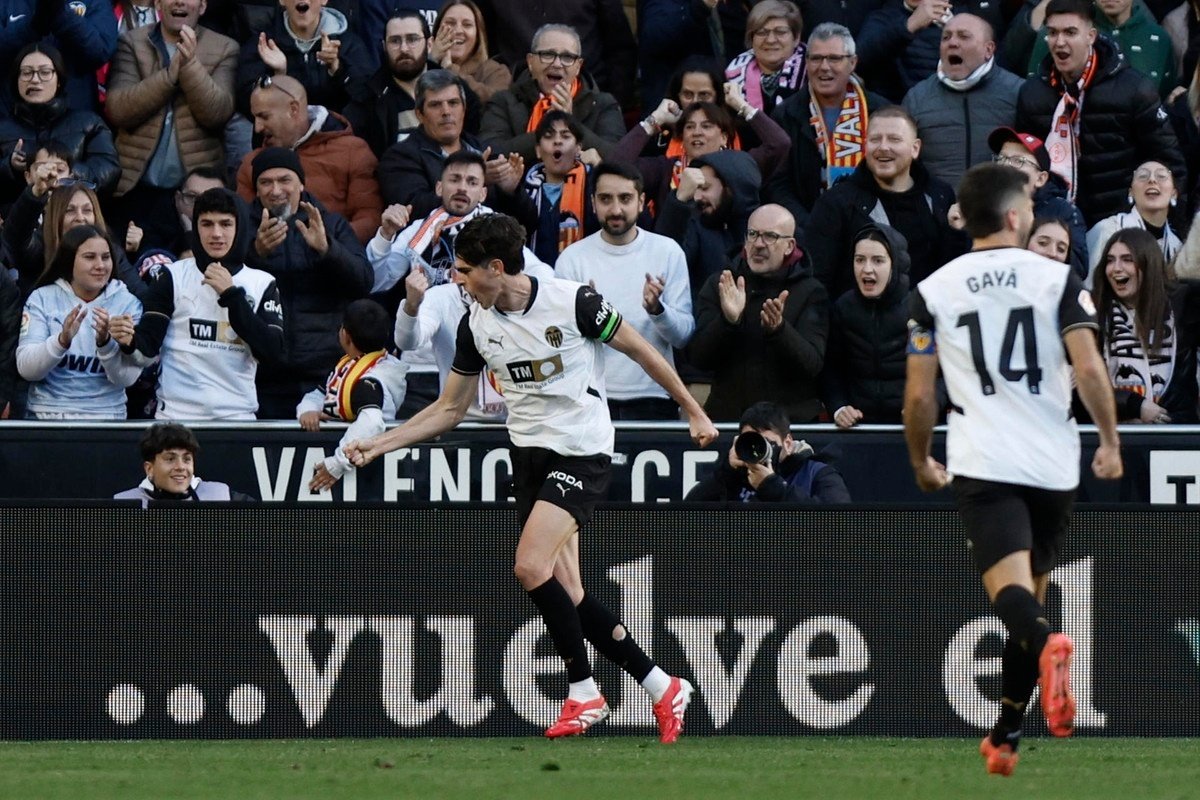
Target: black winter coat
x=1123, y=124
x=751, y=364
x=315, y=291
x=85, y=134
x=865, y=360
x=801, y=477
x=323, y=89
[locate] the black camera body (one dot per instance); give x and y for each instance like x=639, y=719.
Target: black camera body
x=753, y=448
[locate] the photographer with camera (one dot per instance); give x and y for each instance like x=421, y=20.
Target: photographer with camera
x=765, y=464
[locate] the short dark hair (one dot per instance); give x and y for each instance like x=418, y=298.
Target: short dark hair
x=546, y=125
x=1080, y=8
x=492, y=236
x=208, y=173
x=767, y=416
x=986, y=192
x=714, y=113
x=434, y=80
x=215, y=201
x=408, y=13
x=622, y=170
x=464, y=156
x=167, y=436
x=53, y=147
x=368, y=325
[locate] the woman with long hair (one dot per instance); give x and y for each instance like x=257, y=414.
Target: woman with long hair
x=1148, y=330
x=460, y=45
x=36, y=225
x=75, y=373
x=40, y=113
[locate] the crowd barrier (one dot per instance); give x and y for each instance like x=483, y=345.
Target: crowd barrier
x=654, y=463
x=378, y=620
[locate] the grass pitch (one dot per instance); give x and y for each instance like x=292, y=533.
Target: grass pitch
x=628, y=768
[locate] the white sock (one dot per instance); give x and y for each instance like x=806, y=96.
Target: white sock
x=657, y=683
x=583, y=690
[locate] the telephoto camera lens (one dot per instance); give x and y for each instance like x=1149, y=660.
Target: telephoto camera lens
x=752, y=447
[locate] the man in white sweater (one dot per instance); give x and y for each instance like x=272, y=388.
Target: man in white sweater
x=645, y=277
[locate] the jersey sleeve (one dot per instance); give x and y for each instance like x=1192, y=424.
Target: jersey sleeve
x=595, y=316
x=367, y=393
x=467, y=360
x=922, y=340
x=1075, y=307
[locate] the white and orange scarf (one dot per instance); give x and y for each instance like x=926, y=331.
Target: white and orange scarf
x=1062, y=143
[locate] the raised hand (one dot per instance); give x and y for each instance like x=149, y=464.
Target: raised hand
x=121, y=328
x=271, y=55
x=272, y=232
x=395, y=219
x=328, y=54
x=314, y=231
x=733, y=296
x=218, y=277
x=100, y=321
x=652, y=293
x=71, y=325
x=772, y=312
x=416, y=283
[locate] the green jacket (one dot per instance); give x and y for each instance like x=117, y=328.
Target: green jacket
x=1146, y=46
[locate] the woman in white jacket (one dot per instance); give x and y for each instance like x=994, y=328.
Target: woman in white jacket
x=1152, y=194
x=75, y=374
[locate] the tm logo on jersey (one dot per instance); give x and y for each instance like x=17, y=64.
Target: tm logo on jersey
x=210, y=330
x=539, y=371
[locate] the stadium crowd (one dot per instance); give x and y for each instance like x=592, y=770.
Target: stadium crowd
x=197, y=196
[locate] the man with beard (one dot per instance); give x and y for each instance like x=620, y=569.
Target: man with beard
x=658, y=303
x=339, y=167
x=891, y=187
x=383, y=109
x=209, y=319
x=426, y=246
x=761, y=324
x=707, y=213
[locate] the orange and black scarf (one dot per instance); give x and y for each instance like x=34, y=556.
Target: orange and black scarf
x=572, y=204
x=543, y=105
x=340, y=384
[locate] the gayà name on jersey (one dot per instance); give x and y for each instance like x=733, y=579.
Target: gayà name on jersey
x=992, y=279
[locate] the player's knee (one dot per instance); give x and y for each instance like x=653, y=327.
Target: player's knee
x=530, y=575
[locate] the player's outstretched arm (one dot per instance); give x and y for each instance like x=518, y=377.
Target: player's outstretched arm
x=628, y=341
x=920, y=415
x=1096, y=392
x=433, y=420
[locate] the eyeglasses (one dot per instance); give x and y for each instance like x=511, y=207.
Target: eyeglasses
x=411, y=40
x=767, y=33
x=266, y=82
x=548, y=56
x=1158, y=175
x=769, y=237
x=43, y=73
x=188, y=197
x=1016, y=161
x=832, y=61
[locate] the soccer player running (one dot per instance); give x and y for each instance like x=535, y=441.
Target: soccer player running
x=542, y=340
x=1005, y=324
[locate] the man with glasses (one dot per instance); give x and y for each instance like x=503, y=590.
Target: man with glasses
x=761, y=324
x=1099, y=118
x=198, y=181
x=890, y=187
x=827, y=124
x=555, y=80
x=383, y=111
x=170, y=93
x=1028, y=153
x=968, y=96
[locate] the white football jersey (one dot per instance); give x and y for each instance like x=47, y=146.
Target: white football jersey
x=996, y=318
x=548, y=364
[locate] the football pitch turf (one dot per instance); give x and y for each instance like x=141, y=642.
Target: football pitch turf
x=624, y=767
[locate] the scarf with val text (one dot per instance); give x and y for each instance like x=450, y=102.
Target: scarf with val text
x=843, y=149
x=340, y=383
